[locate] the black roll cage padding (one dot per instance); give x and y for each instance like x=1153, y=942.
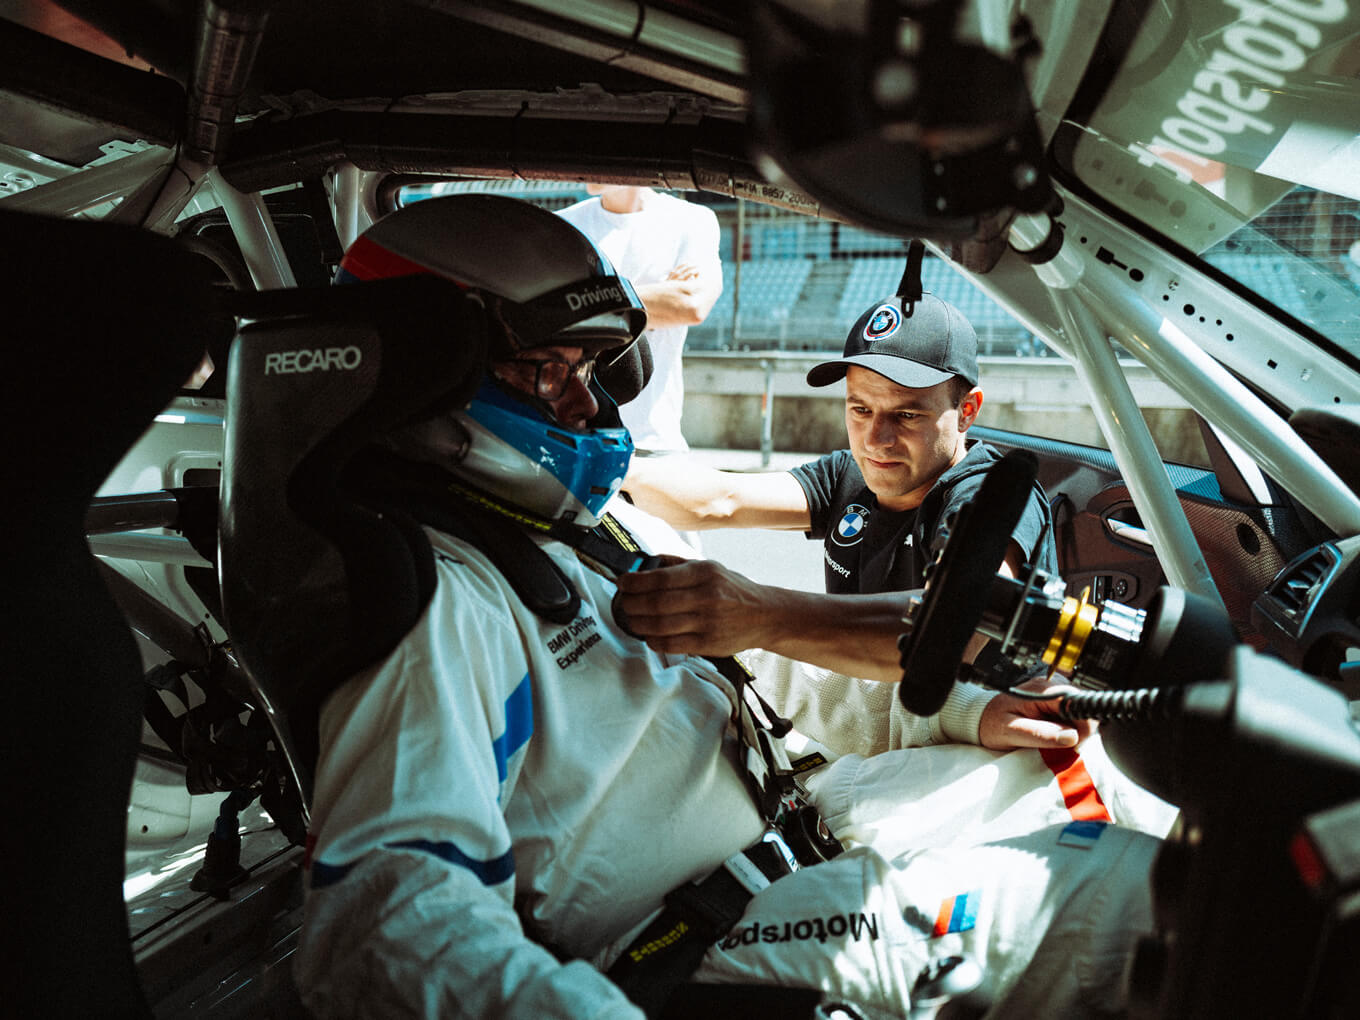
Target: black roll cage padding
x=191, y=510
x=317, y=581
x=109, y=515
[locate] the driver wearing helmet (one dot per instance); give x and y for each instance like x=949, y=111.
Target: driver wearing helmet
x=504, y=803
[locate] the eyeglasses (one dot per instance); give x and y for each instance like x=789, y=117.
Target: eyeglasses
x=547, y=378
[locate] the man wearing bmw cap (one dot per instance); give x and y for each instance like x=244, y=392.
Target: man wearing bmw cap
x=911, y=377
x=911, y=380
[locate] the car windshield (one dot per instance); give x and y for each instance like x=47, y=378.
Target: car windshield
x=1231, y=130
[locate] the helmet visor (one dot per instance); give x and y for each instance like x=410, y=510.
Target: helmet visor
x=596, y=313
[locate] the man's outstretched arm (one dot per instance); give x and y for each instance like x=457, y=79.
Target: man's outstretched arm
x=699, y=607
x=690, y=496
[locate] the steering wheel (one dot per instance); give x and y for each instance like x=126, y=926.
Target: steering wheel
x=956, y=586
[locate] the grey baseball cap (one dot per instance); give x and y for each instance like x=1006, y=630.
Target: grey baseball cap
x=914, y=343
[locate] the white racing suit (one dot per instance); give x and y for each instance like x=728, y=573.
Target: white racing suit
x=501, y=805
x=902, y=782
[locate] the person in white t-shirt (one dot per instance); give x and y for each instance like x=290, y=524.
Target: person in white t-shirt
x=668, y=249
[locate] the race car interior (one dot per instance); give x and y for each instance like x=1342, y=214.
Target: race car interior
x=167, y=686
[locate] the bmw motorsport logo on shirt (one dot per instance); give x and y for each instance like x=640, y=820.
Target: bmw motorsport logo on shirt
x=850, y=528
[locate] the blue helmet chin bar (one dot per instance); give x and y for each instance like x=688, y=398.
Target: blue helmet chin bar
x=517, y=454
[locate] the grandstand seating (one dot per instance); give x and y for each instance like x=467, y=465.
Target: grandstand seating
x=874, y=278
x=804, y=281
x=870, y=280
x=781, y=308
x=770, y=288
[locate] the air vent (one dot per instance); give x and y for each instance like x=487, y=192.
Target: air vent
x=1297, y=585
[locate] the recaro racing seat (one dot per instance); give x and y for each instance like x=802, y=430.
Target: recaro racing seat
x=103, y=324
x=318, y=583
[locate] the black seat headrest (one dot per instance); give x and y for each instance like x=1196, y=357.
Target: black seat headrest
x=316, y=582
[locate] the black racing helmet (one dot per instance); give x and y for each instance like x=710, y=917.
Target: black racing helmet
x=543, y=283
x=541, y=279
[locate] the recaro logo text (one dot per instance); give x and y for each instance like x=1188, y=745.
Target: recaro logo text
x=291, y=362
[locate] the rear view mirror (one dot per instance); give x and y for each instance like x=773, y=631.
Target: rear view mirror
x=876, y=109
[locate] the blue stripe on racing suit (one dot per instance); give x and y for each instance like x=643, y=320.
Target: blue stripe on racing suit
x=519, y=727
x=490, y=872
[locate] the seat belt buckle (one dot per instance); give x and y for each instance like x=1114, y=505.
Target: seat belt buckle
x=762, y=862
x=744, y=870
x=780, y=845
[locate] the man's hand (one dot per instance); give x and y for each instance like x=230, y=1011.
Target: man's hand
x=1009, y=722
x=698, y=607
x=684, y=271
x=683, y=298
x=694, y=607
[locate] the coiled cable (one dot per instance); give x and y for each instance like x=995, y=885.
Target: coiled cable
x=1147, y=704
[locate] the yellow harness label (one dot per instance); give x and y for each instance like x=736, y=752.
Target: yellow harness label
x=657, y=944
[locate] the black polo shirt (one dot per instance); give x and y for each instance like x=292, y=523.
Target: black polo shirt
x=868, y=550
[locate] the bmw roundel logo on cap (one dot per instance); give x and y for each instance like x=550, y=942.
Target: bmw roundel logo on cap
x=850, y=528
x=885, y=321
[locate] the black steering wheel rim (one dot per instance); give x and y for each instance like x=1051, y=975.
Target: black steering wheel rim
x=955, y=593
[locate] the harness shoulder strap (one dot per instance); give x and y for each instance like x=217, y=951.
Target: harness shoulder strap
x=536, y=579
x=428, y=494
